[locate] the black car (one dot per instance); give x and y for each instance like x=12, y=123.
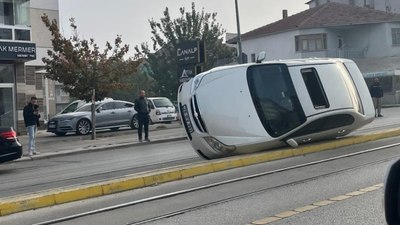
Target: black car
x=10, y=148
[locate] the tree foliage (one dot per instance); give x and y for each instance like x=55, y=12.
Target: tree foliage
x=81, y=66
x=167, y=33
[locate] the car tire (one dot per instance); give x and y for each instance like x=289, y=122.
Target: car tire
x=114, y=128
x=83, y=127
x=134, y=122
x=60, y=134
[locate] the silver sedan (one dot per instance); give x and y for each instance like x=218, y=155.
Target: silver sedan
x=109, y=115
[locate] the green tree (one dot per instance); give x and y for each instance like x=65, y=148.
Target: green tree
x=167, y=33
x=81, y=66
x=85, y=71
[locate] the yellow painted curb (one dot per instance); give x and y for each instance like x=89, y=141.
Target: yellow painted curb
x=16, y=204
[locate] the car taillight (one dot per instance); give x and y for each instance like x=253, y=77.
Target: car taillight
x=9, y=134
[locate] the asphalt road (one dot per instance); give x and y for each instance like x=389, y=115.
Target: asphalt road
x=62, y=171
x=249, y=200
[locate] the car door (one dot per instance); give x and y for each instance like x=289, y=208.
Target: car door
x=124, y=111
x=106, y=115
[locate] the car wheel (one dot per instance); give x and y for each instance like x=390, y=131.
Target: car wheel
x=134, y=123
x=61, y=133
x=83, y=127
x=114, y=128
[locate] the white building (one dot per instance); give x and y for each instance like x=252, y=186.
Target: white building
x=370, y=37
x=383, y=5
x=24, y=40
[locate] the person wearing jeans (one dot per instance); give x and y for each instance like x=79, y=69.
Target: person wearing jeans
x=30, y=119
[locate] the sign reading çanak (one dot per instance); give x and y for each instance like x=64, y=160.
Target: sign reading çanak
x=17, y=50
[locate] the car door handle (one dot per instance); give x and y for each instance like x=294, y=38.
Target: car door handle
x=112, y=112
x=129, y=111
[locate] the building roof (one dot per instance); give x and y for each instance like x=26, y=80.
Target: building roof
x=326, y=15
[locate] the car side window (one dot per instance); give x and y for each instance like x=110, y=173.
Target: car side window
x=108, y=106
x=123, y=105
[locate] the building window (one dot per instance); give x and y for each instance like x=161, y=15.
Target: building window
x=22, y=35
x=5, y=33
x=22, y=15
x=253, y=57
x=14, y=12
x=312, y=42
x=396, y=36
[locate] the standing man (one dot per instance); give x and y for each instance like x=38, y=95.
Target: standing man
x=30, y=119
x=377, y=95
x=143, y=109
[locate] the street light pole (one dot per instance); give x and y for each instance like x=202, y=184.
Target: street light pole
x=239, y=39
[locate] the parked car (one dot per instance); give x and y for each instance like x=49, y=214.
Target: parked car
x=162, y=110
x=110, y=114
x=10, y=148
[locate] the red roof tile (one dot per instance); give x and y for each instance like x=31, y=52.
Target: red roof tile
x=327, y=15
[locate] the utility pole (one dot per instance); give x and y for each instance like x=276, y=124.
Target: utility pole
x=239, y=39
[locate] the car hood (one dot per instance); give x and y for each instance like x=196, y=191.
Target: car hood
x=69, y=115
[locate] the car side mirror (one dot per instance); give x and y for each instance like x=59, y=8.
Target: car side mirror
x=99, y=109
x=392, y=194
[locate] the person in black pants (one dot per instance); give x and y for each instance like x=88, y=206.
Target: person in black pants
x=142, y=107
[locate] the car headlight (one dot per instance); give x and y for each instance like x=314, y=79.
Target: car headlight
x=196, y=83
x=219, y=146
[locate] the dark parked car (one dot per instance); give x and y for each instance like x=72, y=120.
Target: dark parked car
x=10, y=148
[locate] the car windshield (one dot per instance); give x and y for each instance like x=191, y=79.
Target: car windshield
x=70, y=108
x=87, y=107
x=162, y=102
x=275, y=98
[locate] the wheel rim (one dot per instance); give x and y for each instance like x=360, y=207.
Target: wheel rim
x=83, y=127
x=135, y=122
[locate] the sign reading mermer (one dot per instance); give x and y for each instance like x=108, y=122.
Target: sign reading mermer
x=17, y=50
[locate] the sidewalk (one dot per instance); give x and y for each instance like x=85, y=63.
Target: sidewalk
x=49, y=144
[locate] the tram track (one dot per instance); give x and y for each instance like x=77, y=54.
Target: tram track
x=212, y=185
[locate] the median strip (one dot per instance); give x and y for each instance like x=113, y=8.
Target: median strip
x=52, y=197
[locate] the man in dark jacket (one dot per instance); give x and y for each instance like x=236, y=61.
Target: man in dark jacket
x=377, y=95
x=30, y=119
x=142, y=107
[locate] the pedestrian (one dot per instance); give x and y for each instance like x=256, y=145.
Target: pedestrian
x=30, y=119
x=142, y=108
x=36, y=112
x=377, y=95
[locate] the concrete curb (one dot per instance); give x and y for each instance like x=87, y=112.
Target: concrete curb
x=63, y=195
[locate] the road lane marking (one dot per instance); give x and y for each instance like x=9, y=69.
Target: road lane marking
x=333, y=200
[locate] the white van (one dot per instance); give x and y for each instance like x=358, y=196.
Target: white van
x=162, y=110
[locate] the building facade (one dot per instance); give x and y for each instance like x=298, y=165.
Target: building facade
x=24, y=40
x=369, y=37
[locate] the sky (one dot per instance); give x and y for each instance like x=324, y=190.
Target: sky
x=103, y=20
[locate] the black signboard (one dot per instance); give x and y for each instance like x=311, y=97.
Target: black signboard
x=17, y=51
x=190, y=52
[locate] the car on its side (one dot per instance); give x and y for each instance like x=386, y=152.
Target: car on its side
x=253, y=107
x=10, y=147
x=162, y=110
x=110, y=114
